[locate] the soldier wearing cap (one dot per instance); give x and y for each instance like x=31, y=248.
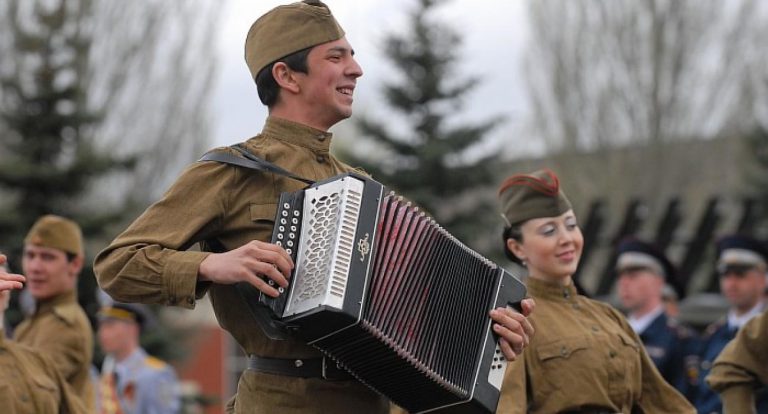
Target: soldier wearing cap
x=59, y=328
x=585, y=357
x=29, y=381
x=742, y=367
x=741, y=266
x=132, y=382
x=305, y=73
x=643, y=272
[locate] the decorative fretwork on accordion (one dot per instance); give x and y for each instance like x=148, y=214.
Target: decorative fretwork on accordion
x=392, y=297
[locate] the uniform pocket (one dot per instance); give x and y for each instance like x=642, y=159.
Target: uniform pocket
x=46, y=393
x=563, y=348
x=262, y=220
x=560, y=367
x=264, y=213
x=627, y=341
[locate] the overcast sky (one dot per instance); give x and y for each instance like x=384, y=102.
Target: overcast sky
x=494, y=34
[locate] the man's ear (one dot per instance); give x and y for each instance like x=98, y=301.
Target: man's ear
x=285, y=77
x=76, y=265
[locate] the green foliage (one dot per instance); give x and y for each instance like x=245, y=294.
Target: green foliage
x=430, y=162
x=757, y=175
x=49, y=158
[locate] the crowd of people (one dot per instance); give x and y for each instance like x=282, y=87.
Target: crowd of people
x=567, y=352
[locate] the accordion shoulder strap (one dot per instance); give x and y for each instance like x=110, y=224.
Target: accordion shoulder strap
x=248, y=160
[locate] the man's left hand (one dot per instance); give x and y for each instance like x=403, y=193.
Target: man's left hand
x=514, y=328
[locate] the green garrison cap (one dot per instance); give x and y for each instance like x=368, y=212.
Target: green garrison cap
x=288, y=29
x=528, y=196
x=57, y=233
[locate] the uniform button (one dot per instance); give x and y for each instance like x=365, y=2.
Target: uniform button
x=321, y=138
x=298, y=363
x=612, y=354
x=595, y=329
x=191, y=301
x=320, y=158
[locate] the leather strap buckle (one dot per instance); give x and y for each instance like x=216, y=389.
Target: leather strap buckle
x=331, y=370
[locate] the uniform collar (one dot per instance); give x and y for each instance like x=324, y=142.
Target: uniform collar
x=297, y=134
x=639, y=325
x=46, y=305
x=548, y=290
x=736, y=321
x=136, y=357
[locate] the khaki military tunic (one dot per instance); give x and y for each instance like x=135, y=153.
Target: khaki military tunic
x=60, y=330
x=584, y=358
x=214, y=201
x=31, y=384
x=741, y=365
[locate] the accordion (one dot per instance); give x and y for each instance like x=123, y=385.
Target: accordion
x=382, y=289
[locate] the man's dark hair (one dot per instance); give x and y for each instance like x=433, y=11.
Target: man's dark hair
x=265, y=83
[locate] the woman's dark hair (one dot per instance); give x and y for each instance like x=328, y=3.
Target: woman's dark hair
x=265, y=82
x=512, y=232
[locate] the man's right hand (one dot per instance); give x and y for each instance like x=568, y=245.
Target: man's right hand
x=9, y=281
x=250, y=263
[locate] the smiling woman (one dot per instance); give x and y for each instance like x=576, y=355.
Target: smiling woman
x=584, y=357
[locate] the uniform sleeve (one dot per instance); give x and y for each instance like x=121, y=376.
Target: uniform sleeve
x=514, y=391
x=149, y=261
x=70, y=402
x=741, y=366
x=656, y=395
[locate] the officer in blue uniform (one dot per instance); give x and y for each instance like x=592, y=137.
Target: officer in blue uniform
x=741, y=266
x=132, y=382
x=644, y=271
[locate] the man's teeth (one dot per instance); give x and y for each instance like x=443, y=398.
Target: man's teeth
x=345, y=91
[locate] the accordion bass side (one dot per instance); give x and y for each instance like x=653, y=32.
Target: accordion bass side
x=382, y=289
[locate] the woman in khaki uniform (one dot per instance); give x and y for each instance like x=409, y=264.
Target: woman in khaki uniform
x=29, y=382
x=742, y=367
x=584, y=358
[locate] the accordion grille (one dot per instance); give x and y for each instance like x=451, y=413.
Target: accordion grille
x=330, y=220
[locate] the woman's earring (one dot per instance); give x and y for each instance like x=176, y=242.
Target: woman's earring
x=525, y=264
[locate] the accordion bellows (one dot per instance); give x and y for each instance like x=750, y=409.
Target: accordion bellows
x=391, y=296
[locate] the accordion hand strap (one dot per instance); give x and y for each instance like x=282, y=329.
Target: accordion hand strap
x=248, y=160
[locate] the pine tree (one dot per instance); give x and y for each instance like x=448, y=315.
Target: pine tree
x=93, y=95
x=429, y=163
x=757, y=176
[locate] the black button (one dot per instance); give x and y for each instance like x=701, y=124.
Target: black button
x=191, y=301
x=321, y=138
x=320, y=158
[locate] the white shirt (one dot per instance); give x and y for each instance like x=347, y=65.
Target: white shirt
x=640, y=324
x=736, y=321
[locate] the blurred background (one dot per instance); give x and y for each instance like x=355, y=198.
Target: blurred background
x=653, y=113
